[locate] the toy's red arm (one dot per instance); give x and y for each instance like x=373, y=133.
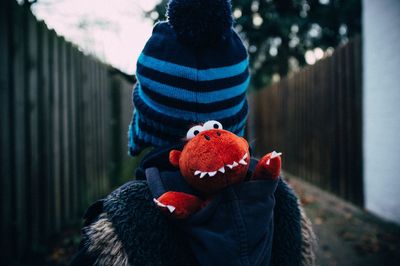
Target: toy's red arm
x=269, y=167
x=178, y=204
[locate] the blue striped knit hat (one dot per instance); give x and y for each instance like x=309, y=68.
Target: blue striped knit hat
x=193, y=69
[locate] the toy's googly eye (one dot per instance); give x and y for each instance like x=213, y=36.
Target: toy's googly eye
x=194, y=131
x=212, y=125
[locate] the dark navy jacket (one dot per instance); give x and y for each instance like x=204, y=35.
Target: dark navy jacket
x=235, y=228
x=127, y=229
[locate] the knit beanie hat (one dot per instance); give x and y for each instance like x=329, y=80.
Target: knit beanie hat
x=193, y=69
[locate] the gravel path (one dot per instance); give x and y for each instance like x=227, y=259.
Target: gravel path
x=346, y=234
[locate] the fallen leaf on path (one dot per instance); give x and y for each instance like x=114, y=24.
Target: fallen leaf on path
x=307, y=199
x=318, y=221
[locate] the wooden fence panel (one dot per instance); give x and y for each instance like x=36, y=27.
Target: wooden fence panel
x=314, y=117
x=56, y=132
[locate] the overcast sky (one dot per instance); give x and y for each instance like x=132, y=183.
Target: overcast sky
x=114, y=30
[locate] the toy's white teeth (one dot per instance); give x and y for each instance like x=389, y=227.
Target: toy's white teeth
x=170, y=208
x=212, y=173
x=222, y=169
x=233, y=165
x=243, y=162
x=203, y=174
x=275, y=154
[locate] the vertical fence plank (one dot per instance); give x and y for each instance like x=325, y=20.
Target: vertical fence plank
x=341, y=128
x=348, y=101
x=44, y=126
x=6, y=137
x=108, y=123
x=65, y=131
x=86, y=133
x=104, y=126
x=72, y=130
x=80, y=155
x=20, y=128
x=34, y=141
x=103, y=163
x=95, y=117
x=357, y=133
x=92, y=171
x=56, y=131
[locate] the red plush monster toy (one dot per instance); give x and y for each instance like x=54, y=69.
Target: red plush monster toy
x=211, y=160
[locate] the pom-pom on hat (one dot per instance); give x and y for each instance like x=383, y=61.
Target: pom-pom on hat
x=193, y=69
x=200, y=22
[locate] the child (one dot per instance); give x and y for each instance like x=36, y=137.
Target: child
x=193, y=69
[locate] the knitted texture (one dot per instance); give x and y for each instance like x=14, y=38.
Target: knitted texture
x=180, y=85
x=200, y=22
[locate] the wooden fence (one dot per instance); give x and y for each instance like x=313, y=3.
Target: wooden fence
x=56, y=134
x=315, y=117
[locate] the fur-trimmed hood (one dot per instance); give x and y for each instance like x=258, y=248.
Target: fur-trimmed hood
x=127, y=229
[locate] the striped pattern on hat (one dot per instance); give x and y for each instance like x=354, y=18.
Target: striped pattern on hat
x=179, y=86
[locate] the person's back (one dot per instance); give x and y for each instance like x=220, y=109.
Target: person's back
x=126, y=228
x=193, y=69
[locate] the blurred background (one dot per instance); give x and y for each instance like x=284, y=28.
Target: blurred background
x=325, y=91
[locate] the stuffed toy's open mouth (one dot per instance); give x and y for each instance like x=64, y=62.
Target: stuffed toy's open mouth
x=231, y=165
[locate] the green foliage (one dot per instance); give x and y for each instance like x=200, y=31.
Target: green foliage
x=278, y=33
